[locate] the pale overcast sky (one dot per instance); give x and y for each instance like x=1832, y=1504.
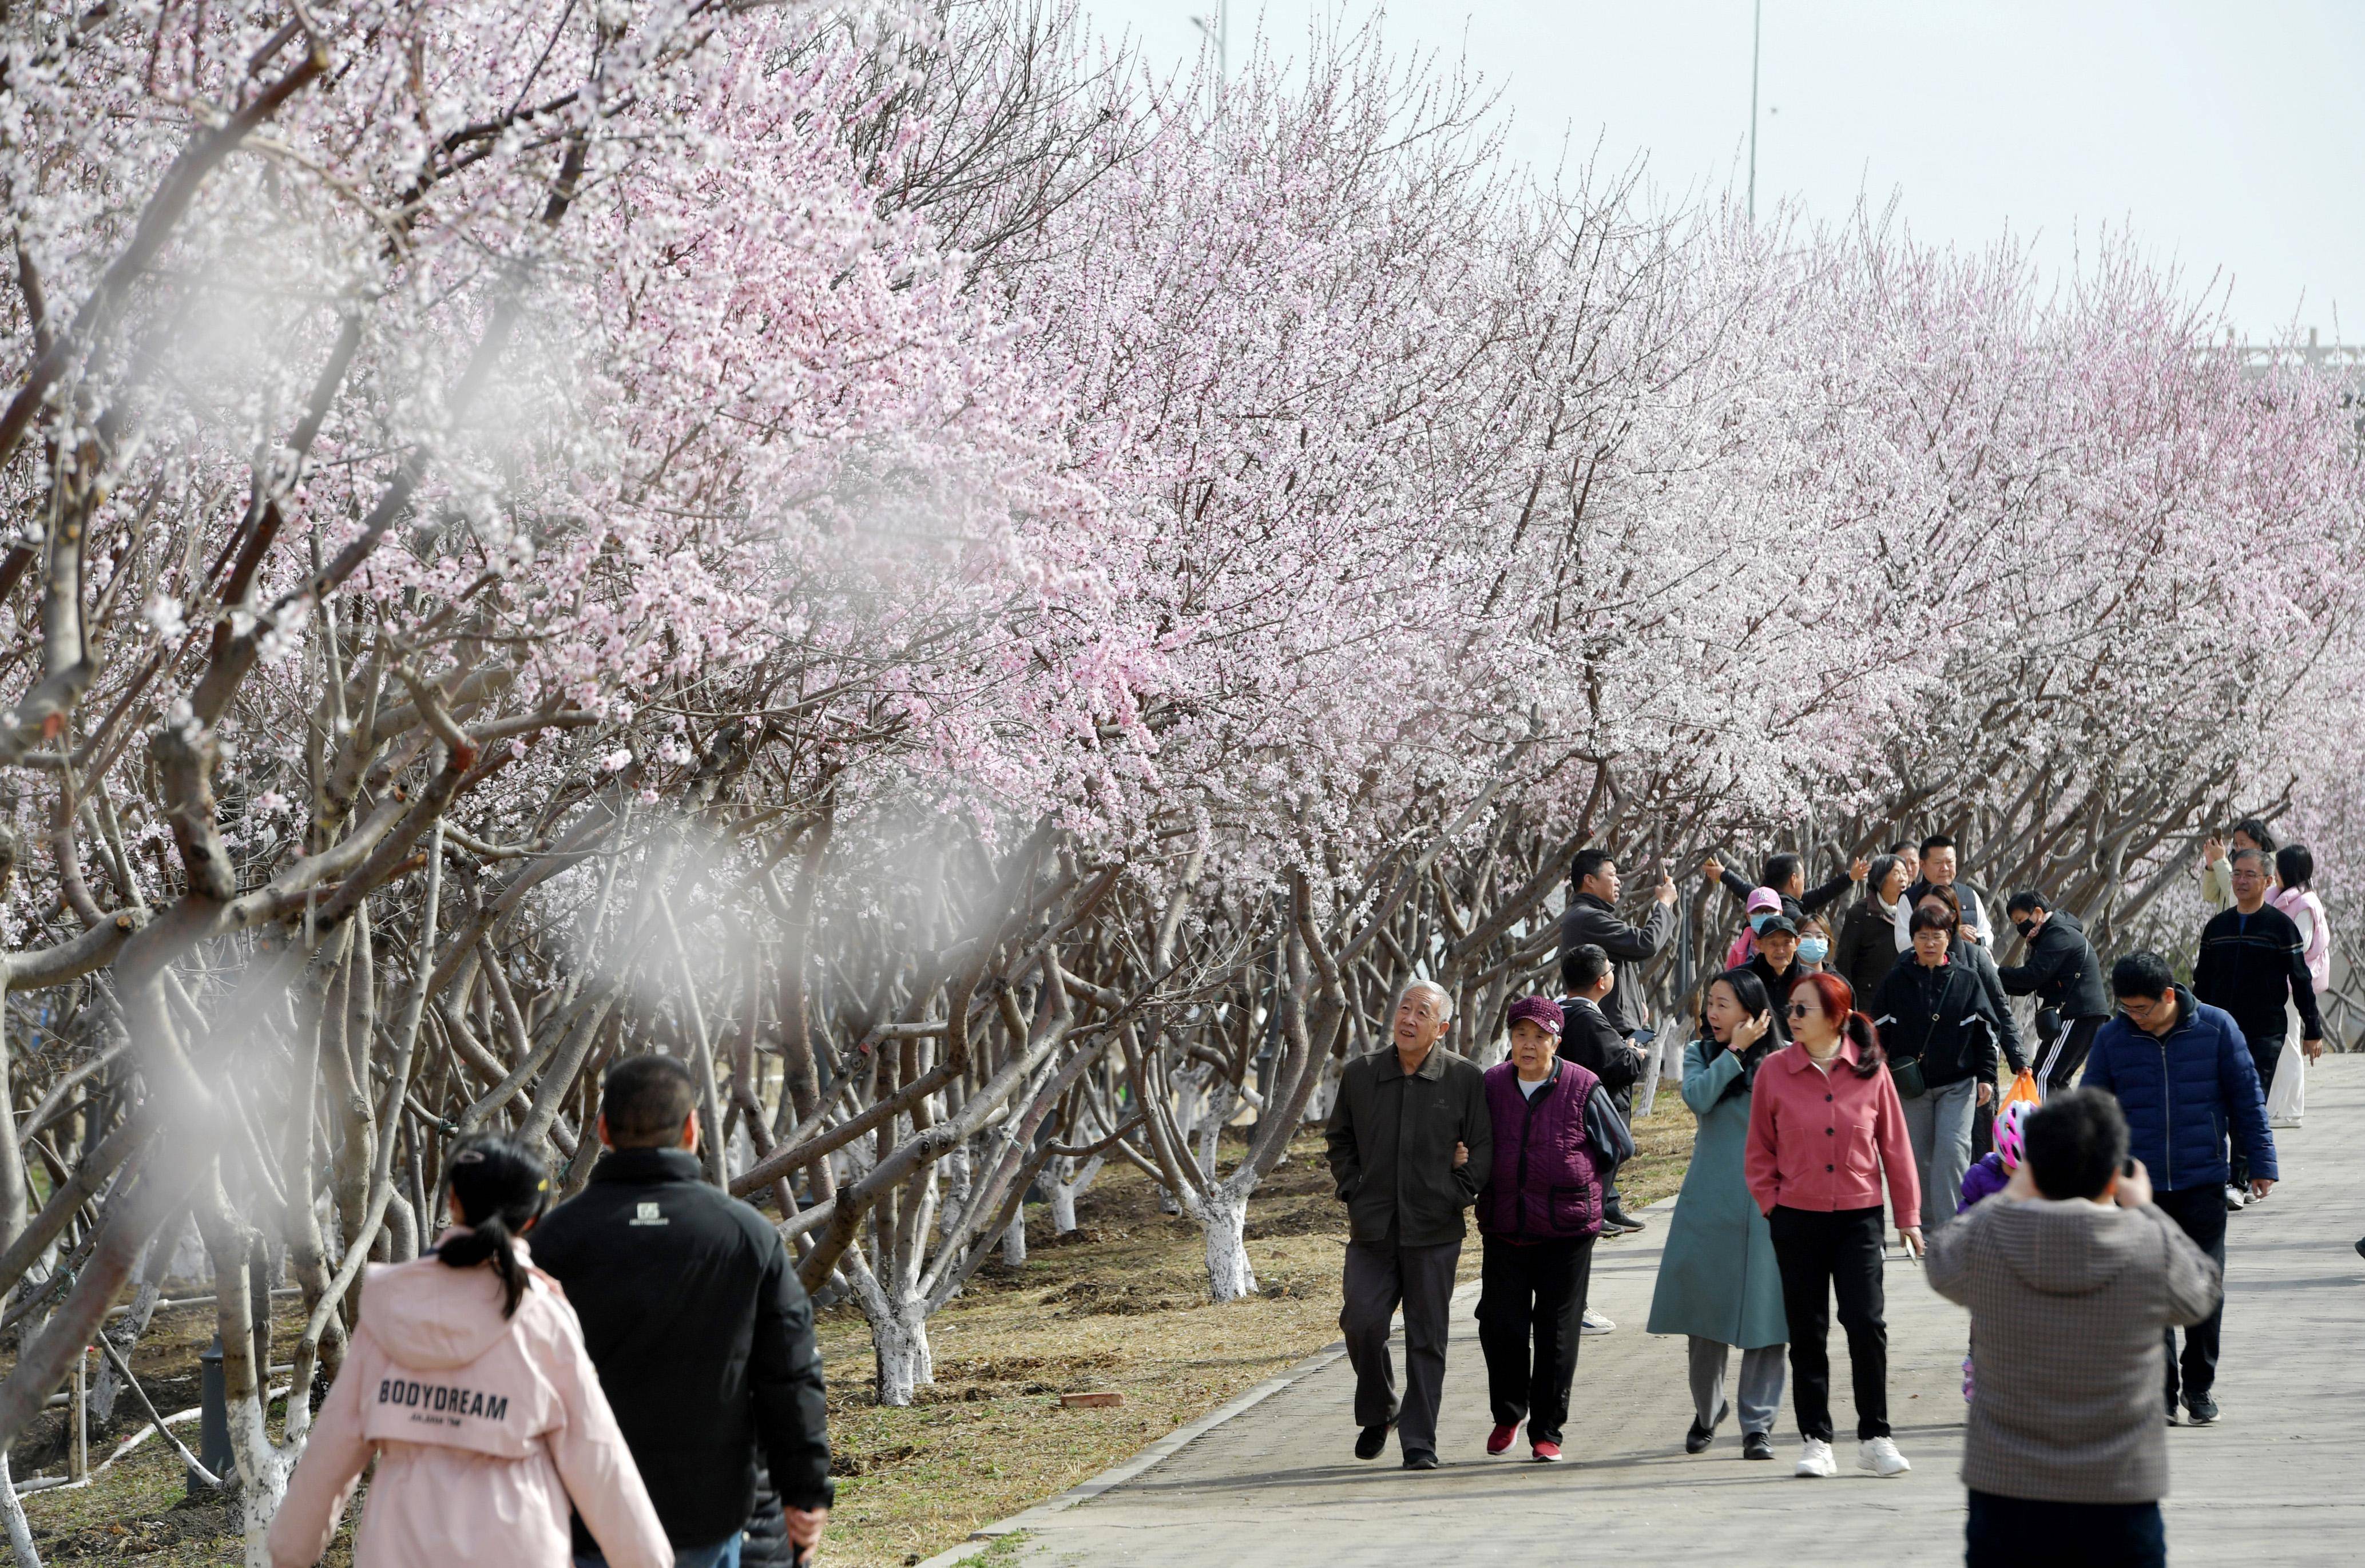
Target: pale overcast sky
x=2223, y=136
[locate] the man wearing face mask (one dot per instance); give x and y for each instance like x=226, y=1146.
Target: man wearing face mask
x=2061, y=972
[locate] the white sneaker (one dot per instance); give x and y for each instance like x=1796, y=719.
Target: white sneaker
x=2234, y=1199
x=1816, y=1458
x=1595, y=1323
x=1880, y=1456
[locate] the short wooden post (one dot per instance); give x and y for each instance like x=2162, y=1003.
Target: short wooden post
x=79, y=1458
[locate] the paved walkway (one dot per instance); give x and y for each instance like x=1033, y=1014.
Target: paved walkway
x=2277, y=1481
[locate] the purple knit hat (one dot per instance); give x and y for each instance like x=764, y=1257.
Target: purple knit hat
x=1542, y=1011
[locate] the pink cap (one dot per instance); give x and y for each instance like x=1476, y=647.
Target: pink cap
x=1763, y=898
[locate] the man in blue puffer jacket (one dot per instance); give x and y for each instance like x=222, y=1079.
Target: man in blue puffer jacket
x=2185, y=1080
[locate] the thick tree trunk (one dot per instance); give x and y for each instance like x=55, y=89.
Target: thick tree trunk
x=1065, y=1182
x=1230, y=1275
x=1014, y=1239
x=899, y=1334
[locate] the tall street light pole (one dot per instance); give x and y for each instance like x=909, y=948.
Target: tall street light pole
x=1756, y=44
x=1218, y=27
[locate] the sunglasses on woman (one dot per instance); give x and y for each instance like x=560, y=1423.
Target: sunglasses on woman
x=1800, y=1010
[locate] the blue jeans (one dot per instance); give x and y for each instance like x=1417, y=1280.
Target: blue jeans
x=725, y=1556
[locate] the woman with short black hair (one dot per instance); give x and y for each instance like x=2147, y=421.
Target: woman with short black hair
x=1719, y=1284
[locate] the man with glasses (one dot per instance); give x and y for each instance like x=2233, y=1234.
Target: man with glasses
x=2252, y=962
x=2183, y=1075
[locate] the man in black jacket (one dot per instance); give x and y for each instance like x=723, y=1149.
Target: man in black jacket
x=2066, y=978
x=1410, y=1142
x=695, y=1317
x=1591, y=917
x=2251, y=962
x=1589, y=1039
x=1786, y=875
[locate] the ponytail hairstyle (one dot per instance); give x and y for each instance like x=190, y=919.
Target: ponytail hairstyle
x=1837, y=1001
x=502, y=1189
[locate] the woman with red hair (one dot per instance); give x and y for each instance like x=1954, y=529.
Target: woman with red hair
x=1825, y=1129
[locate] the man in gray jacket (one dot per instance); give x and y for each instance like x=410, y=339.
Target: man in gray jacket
x=1410, y=1140
x=2071, y=1274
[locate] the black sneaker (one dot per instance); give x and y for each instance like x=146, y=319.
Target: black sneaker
x=1617, y=1219
x=2361, y=1246
x=1371, y=1440
x=1757, y=1445
x=1697, y=1439
x=1421, y=1461
x=2199, y=1410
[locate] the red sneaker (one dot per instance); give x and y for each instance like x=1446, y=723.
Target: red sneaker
x=1500, y=1440
x=1547, y=1453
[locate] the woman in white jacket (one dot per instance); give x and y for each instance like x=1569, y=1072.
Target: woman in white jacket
x=2295, y=868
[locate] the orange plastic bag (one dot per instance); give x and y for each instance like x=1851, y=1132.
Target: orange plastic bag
x=2023, y=1088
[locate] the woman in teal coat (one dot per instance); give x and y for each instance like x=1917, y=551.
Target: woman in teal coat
x=1718, y=1282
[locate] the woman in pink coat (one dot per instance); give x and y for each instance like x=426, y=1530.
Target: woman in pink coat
x=468, y=1381
x=1825, y=1128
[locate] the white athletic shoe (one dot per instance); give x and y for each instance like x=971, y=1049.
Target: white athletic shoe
x=1816, y=1458
x=1880, y=1456
x=2234, y=1199
x=1596, y=1323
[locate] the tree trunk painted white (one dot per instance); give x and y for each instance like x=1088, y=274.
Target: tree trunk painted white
x=1065, y=1183
x=1014, y=1239
x=12, y=1515
x=956, y=1167
x=900, y=1341
x=1223, y=1217
x=1326, y=1090
x=899, y=1336
x=1222, y=1102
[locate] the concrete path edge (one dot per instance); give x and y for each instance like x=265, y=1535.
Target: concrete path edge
x=1173, y=1442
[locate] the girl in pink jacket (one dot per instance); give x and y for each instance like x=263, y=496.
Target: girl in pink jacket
x=468, y=1379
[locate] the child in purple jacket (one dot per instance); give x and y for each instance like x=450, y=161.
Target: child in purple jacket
x=1992, y=1170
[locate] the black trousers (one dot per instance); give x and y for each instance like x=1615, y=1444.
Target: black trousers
x=1377, y=1279
x=2201, y=1213
x=1623, y=1100
x=1531, y=1305
x=2020, y=1532
x=2266, y=1050
x=1822, y=1255
x=2063, y=1055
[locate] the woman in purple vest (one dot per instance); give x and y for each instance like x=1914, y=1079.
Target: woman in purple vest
x=1555, y=1133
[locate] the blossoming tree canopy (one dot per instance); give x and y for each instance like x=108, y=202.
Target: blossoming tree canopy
x=998, y=606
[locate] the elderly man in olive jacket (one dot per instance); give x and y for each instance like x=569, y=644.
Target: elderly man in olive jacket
x=1410, y=1140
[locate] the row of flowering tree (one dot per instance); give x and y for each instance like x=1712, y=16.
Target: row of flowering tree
x=998, y=606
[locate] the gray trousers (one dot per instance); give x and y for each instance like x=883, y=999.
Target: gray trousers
x=1760, y=1390
x=1379, y=1278
x=1939, y=1124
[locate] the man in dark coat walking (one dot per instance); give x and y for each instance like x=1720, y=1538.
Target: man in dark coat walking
x=2064, y=977
x=697, y=1323
x=1410, y=1142
x=2184, y=1078
x=2252, y=961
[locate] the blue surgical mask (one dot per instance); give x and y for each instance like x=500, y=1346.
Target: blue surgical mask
x=1757, y=921
x=1813, y=950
